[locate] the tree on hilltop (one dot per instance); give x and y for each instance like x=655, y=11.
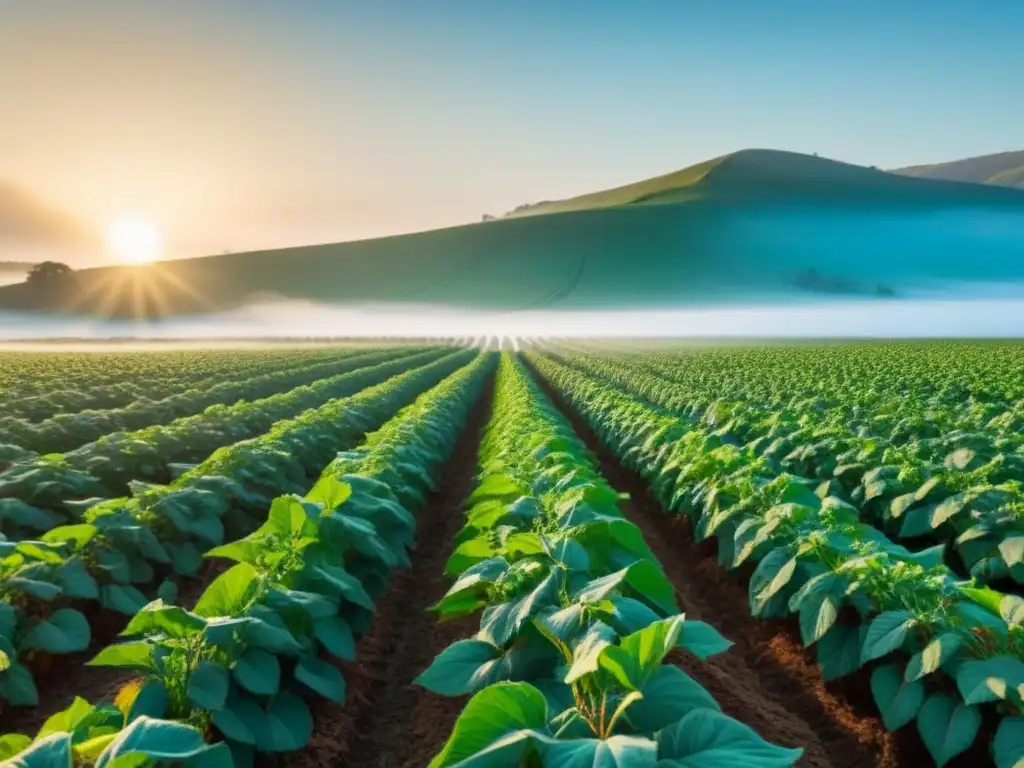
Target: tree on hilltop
x=48, y=272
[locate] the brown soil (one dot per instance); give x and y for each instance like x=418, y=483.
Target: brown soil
x=386, y=721
x=766, y=679
x=66, y=677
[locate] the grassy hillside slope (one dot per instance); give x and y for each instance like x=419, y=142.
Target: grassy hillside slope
x=1004, y=169
x=748, y=226
x=759, y=175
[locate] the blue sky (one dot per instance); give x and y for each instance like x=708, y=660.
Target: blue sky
x=238, y=125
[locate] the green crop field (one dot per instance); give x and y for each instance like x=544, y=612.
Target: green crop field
x=585, y=553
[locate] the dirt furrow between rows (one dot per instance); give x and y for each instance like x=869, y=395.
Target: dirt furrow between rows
x=386, y=721
x=766, y=679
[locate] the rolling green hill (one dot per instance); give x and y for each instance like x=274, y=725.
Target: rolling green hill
x=1004, y=169
x=755, y=225
x=760, y=175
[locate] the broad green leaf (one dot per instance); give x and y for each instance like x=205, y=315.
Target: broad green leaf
x=241, y=719
x=288, y=517
x=43, y=590
x=523, y=544
x=66, y=631
x=706, y=738
x=53, y=751
x=490, y=715
x=68, y=719
x=167, y=591
x=638, y=655
x=208, y=685
x=947, y=727
x=569, y=552
x=322, y=677
x=163, y=740
x=564, y=624
x=1008, y=744
x=76, y=581
x=839, y=649
x=92, y=748
x=252, y=549
x=462, y=667
x=886, y=634
x=644, y=576
x=335, y=635
x=939, y=650
x=133, y=655
x=496, y=487
x=991, y=679
x=818, y=612
x=985, y=597
x=122, y=598
x=667, y=695
x=615, y=752
x=8, y=620
x=13, y=743
x=330, y=492
x=258, y=671
x=1012, y=550
x=151, y=700
x=509, y=750
x=288, y=725
x=131, y=760
x=467, y=593
x=702, y=640
x=503, y=622
x=347, y=585
x=229, y=592
x=160, y=618
x=266, y=630
x=315, y=606
x=587, y=651
x=897, y=700
x=652, y=585
x=629, y=615
x=771, y=576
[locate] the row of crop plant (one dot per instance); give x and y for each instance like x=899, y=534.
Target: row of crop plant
x=576, y=618
x=25, y=375
x=117, y=553
x=39, y=492
x=959, y=482
x=175, y=375
x=227, y=678
x=67, y=431
x=940, y=650
x=575, y=608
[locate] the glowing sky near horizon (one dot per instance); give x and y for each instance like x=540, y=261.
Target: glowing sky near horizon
x=250, y=124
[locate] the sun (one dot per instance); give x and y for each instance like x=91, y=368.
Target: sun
x=134, y=241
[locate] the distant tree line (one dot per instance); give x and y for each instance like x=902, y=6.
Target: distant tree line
x=48, y=273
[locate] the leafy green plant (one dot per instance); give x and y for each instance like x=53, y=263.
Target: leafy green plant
x=104, y=467
x=574, y=607
x=114, y=554
x=108, y=736
x=815, y=557
x=266, y=632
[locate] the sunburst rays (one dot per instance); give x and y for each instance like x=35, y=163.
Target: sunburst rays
x=148, y=292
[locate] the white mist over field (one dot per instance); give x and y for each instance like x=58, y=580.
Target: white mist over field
x=994, y=312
